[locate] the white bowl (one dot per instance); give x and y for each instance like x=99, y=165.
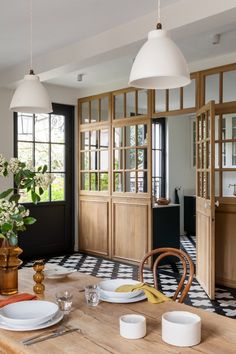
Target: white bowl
x=181, y=328
x=108, y=288
x=31, y=312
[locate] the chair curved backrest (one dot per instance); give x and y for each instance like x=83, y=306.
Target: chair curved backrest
x=188, y=269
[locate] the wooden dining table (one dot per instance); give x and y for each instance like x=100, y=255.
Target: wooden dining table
x=100, y=325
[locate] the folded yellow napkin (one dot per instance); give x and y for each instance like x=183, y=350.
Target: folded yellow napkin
x=153, y=295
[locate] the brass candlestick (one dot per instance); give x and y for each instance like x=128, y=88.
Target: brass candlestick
x=38, y=276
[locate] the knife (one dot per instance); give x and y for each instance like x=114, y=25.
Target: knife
x=52, y=335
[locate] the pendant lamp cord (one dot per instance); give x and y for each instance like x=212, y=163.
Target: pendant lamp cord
x=159, y=26
x=31, y=36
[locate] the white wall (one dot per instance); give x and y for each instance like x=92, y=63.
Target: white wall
x=58, y=94
x=180, y=172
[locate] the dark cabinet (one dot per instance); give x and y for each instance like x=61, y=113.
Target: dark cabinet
x=166, y=228
x=190, y=215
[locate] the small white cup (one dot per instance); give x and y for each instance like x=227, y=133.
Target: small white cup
x=132, y=326
x=181, y=328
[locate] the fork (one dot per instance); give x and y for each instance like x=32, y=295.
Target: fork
x=55, y=331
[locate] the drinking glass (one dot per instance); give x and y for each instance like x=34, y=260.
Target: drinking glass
x=92, y=295
x=64, y=301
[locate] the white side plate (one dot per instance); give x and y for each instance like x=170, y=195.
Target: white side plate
x=58, y=273
x=57, y=318
x=122, y=300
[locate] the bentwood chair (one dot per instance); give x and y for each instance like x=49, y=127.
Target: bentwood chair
x=188, y=269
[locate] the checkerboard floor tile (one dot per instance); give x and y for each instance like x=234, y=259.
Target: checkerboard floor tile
x=224, y=304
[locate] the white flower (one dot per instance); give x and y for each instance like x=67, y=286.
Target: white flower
x=2, y=164
x=43, y=180
x=14, y=165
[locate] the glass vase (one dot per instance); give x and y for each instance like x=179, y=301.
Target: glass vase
x=9, y=263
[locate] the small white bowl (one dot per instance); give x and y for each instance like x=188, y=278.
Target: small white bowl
x=108, y=288
x=132, y=326
x=181, y=328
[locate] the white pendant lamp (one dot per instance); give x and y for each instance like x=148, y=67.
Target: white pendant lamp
x=159, y=64
x=31, y=96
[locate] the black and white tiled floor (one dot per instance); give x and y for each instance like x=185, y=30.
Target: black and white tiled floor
x=224, y=304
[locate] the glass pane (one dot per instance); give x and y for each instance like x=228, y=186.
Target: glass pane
x=85, y=161
x=41, y=154
x=94, y=111
x=118, y=137
x=217, y=184
x=85, y=181
x=57, y=129
x=142, y=159
x=119, y=106
x=25, y=127
x=94, y=139
x=227, y=154
x=217, y=122
x=104, y=160
x=130, y=181
x=94, y=160
x=212, y=88
x=58, y=187
x=130, y=159
x=189, y=95
x=25, y=152
x=103, y=182
x=229, y=84
x=85, y=112
x=160, y=100
x=104, y=109
x=118, y=159
x=142, y=134
x=217, y=155
x=104, y=139
x=58, y=157
x=174, y=99
x=94, y=181
x=130, y=135
x=42, y=127
x=142, y=182
x=130, y=104
x=85, y=141
x=229, y=184
x=118, y=182
x=142, y=102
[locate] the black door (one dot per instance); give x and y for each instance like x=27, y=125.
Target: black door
x=49, y=139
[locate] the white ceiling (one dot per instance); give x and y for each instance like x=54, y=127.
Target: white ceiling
x=100, y=38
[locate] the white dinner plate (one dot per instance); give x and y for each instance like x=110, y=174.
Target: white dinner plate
x=108, y=288
x=122, y=300
x=58, y=273
x=10, y=327
x=28, y=313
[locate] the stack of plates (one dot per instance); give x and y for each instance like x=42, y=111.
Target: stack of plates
x=29, y=315
x=109, y=294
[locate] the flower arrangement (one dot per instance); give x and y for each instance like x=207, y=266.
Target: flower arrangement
x=14, y=217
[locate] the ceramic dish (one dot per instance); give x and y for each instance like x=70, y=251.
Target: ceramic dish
x=26, y=313
x=108, y=288
x=58, y=273
x=10, y=327
x=140, y=297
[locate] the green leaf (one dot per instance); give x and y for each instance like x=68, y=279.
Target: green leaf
x=15, y=198
x=6, y=227
x=45, y=167
x=17, y=178
x=6, y=193
x=2, y=236
x=29, y=220
x=13, y=240
x=40, y=168
x=41, y=190
x=35, y=197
